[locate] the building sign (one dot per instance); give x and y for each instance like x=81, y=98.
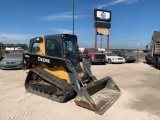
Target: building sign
x=102, y=15
x=102, y=25
x=101, y=31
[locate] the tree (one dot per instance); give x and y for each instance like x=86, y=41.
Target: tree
x=2, y=46
x=23, y=46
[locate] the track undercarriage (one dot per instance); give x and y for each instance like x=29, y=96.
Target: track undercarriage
x=44, y=84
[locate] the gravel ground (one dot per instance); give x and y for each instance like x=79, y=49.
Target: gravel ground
x=140, y=99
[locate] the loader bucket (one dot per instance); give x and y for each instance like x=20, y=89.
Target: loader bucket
x=98, y=96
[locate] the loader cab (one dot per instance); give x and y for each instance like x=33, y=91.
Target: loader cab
x=61, y=45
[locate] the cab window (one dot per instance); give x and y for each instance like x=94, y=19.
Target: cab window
x=53, y=48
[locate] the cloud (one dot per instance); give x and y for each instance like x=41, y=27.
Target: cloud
x=115, y=2
x=101, y=6
x=70, y=31
x=63, y=16
x=135, y=39
x=15, y=38
x=85, y=44
x=138, y=44
x=127, y=46
x=62, y=30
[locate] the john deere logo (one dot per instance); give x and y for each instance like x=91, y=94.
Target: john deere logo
x=103, y=15
x=44, y=60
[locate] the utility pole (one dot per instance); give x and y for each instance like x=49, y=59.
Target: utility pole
x=73, y=15
x=101, y=43
x=95, y=38
x=108, y=42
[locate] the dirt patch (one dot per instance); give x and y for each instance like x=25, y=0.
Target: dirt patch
x=138, y=82
x=148, y=93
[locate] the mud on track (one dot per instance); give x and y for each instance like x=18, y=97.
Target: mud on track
x=140, y=98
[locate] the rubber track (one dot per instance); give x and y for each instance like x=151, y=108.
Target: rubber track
x=67, y=89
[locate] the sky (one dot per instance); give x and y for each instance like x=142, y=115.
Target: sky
x=132, y=21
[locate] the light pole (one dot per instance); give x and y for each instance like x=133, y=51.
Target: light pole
x=101, y=43
x=73, y=15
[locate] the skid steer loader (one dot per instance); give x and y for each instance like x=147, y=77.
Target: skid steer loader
x=55, y=72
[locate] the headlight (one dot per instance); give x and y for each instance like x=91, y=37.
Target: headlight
x=19, y=62
x=2, y=62
x=114, y=58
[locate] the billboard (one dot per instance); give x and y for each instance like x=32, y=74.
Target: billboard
x=102, y=15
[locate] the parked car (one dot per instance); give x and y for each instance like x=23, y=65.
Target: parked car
x=113, y=58
x=149, y=59
x=12, y=61
x=1, y=55
x=95, y=55
x=128, y=57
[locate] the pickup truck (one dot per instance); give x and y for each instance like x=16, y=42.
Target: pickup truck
x=95, y=55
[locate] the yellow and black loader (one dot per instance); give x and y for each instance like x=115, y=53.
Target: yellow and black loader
x=55, y=72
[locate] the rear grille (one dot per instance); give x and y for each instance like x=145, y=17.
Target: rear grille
x=99, y=56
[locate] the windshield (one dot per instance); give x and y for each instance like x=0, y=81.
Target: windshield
x=70, y=48
x=14, y=56
x=111, y=54
x=93, y=50
x=53, y=48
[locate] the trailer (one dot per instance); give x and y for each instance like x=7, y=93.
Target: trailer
x=155, y=49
